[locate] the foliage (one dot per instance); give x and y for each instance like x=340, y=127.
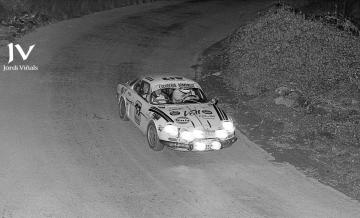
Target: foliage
x=283, y=48
x=315, y=68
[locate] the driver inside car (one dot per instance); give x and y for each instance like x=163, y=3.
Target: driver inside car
x=159, y=97
x=179, y=95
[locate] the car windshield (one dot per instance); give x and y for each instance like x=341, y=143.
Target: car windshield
x=177, y=96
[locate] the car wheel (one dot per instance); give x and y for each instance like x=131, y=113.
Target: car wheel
x=153, y=138
x=122, y=110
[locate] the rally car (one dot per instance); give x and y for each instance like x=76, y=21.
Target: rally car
x=173, y=111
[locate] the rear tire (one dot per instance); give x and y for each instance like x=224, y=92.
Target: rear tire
x=122, y=110
x=153, y=138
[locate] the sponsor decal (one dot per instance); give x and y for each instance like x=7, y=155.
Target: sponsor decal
x=156, y=116
x=222, y=115
x=208, y=116
x=206, y=112
x=191, y=113
x=225, y=116
x=174, y=113
x=182, y=120
x=137, y=115
x=24, y=55
x=186, y=85
x=161, y=114
x=218, y=111
x=177, y=85
x=169, y=85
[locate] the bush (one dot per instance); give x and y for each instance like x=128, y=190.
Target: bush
x=283, y=48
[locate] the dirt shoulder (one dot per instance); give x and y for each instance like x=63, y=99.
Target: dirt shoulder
x=293, y=86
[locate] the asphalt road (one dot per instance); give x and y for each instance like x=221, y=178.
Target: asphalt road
x=65, y=153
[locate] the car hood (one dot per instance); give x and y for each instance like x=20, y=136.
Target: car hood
x=200, y=116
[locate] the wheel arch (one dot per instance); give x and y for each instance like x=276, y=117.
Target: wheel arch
x=120, y=90
x=157, y=146
x=155, y=123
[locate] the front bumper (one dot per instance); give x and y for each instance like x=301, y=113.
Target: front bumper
x=190, y=146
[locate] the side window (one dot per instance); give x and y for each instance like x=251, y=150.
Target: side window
x=137, y=87
x=145, y=90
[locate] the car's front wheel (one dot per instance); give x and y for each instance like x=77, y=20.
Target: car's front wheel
x=153, y=138
x=122, y=110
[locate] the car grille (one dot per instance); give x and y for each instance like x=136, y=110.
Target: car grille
x=209, y=133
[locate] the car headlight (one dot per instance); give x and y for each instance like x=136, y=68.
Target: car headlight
x=221, y=134
x=228, y=126
x=216, y=145
x=171, y=130
x=186, y=135
x=199, y=146
x=198, y=134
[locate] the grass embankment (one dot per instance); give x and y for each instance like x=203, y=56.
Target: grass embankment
x=304, y=76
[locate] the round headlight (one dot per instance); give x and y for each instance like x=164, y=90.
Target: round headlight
x=228, y=126
x=199, y=146
x=198, y=134
x=186, y=135
x=221, y=134
x=216, y=145
x=171, y=130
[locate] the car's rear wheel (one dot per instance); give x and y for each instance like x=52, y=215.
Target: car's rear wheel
x=122, y=110
x=153, y=138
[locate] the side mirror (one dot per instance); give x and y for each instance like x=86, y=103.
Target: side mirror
x=214, y=101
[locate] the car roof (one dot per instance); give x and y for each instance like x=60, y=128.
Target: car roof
x=172, y=81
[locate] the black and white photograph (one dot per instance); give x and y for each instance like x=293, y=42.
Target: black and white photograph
x=179, y=108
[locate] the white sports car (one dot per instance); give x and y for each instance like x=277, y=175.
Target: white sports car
x=174, y=112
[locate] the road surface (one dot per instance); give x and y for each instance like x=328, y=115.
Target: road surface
x=65, y=153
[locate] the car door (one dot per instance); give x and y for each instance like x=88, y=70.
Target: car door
x=141, y=106
x=131, y=97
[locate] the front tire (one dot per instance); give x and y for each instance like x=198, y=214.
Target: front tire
x=153, y=138
x=122, y=110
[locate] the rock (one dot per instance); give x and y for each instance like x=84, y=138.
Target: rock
x=298, y=98
x=283, y=91
x=293, y=95
x=290, y=98
x=285, y=101
x=217, y=73
x=355, y=102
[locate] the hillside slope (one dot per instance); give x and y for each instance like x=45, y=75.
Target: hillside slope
x=297, y=86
